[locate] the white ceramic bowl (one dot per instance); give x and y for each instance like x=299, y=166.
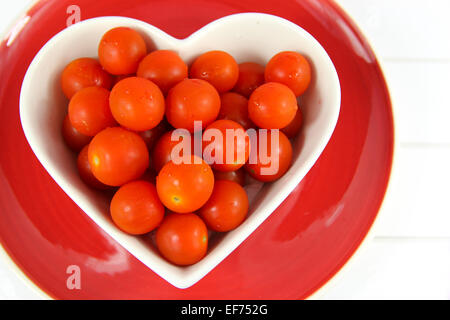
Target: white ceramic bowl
x=248, y=37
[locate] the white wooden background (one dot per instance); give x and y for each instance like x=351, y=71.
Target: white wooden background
x=409, y=257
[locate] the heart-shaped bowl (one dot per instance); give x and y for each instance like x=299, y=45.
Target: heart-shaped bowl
x=248, y=37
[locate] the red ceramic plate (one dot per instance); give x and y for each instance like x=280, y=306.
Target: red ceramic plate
x=292, y=254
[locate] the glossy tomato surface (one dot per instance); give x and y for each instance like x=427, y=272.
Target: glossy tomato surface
x=120, y=50
x=192, y=100
x=164, y=67
x=118, y=156
x=82, y=73
x=218, y=68
x=227, y=207
x=310, y=236
x=137, y=104
x=185, y=187
x=182, y=238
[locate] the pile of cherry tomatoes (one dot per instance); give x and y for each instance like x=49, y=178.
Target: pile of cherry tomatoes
x=124, y=108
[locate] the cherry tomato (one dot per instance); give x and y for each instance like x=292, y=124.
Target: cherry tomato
x=152, y=136
x=84, y=169
x=192, y=100
x=294, y=127
x=251, y=76
x=162, y=153
x=279, y=161
x=237, y=176
x=185, y=187
x=272, y=106
x=73, y=138
x=218, y=68
x=227, y=207
x=118, y=156
x=227, y=143
x=120, y=50
x=182, y=238
x=82, y=73
x=164, y=67
x=89, y=111
x=137, y=104
x=235, y=107
x=136, y=208
x=289, y=68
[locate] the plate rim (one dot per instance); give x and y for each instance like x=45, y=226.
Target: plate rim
x=367, y=241
x=357, y=253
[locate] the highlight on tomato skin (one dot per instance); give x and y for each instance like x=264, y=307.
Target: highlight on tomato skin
x=136, y=209
x=85, y=171
x=182, y=238
x=118, y=156
x=185, y=187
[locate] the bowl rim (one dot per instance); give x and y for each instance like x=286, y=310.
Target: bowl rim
x=322, y=130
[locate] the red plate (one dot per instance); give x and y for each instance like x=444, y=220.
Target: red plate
x=293, y=253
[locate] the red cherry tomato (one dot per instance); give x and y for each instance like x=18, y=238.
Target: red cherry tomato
x=118, y=156
x=137, y=104
x=162, y=153
x=136, y=208
x=185, y=187
x=291, y=69
x=89, y=111
x=120, y=50
x=152, y=136
x=82, y=73
x=84, y=169
x=231, y=149
x=164, y=67
x=73, y=138
x=182, y=238
x=294, y=127
x=272, y=106
x=237, y=176
x=227, y=207
x=235, y=107
x=280, y=160
x=251, y=76
x=192, y=100
x=218, y=68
